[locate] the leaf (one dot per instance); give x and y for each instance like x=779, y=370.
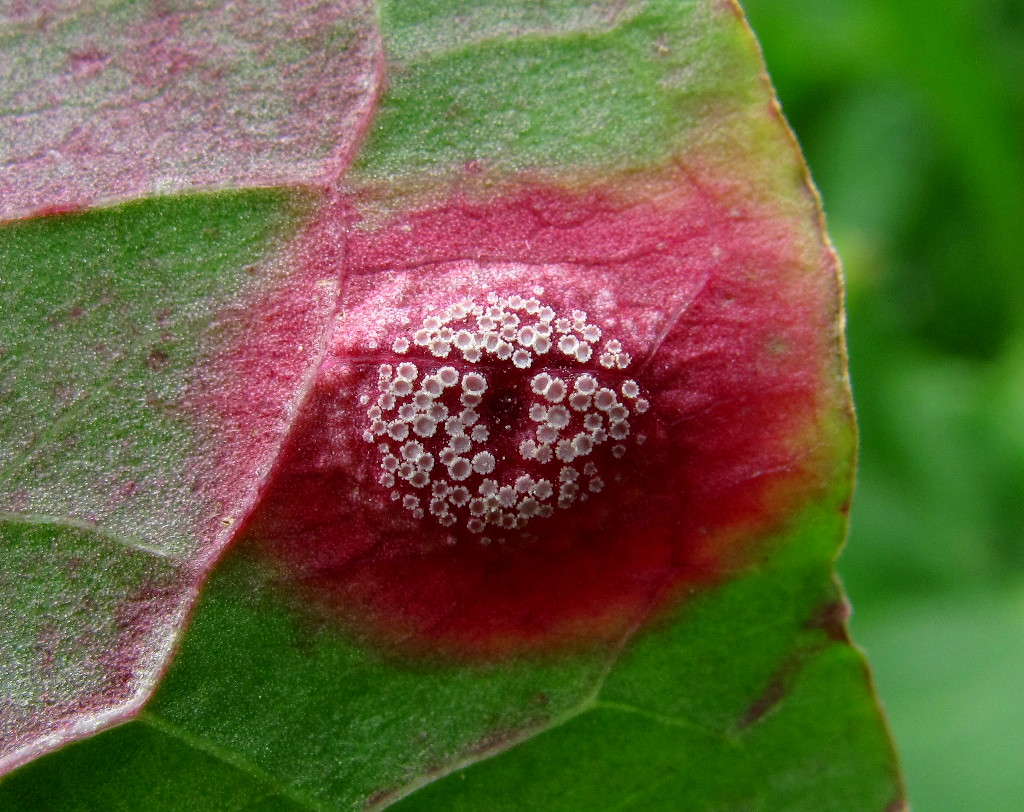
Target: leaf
x=126, y=462
x=678, y=632
x=127, y=328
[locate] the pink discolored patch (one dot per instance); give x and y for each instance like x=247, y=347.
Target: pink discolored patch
x=159, y=99
x=705, y=332
x=245, y=398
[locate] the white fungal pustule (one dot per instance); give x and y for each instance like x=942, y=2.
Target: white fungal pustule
x=480, y=434
x=556, y=390
x=439, y=415
x=474, y=383
x=579, y=401
x=459, y=468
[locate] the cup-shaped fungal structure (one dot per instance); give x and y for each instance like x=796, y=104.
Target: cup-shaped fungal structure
x=501, y=414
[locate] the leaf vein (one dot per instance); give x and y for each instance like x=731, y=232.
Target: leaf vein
x=71, y=523
x=205, y=746
x=659, y=718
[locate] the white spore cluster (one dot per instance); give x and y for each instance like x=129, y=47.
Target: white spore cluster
x=438, y=443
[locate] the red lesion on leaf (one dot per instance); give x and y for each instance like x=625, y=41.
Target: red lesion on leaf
x=58, y=209
x=731, y=329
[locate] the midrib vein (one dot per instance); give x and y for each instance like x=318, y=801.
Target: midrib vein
x=227, y=756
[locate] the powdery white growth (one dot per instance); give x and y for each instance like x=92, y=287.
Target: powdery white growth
x=436, y=439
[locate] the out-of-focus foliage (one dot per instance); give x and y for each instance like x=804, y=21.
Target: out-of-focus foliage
x=911, y=114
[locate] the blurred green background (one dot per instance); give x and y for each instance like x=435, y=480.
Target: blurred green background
x=911, y=115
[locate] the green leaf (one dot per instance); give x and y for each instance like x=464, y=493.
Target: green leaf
x=676, y=639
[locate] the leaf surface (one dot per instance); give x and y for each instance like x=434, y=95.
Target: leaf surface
x=110, y=100
x=650, y=599
x=125, y=464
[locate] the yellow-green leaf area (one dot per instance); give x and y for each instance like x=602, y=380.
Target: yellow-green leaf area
x=552, y=92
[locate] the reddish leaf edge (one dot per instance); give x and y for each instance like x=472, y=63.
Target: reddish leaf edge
x=270, y=307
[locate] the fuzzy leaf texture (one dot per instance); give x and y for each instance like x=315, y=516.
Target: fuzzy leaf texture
x=418, y=405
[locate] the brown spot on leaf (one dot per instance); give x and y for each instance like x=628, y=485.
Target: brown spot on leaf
x=157, y=360
x=378, y=798
x=831, y=618
x=776, y=688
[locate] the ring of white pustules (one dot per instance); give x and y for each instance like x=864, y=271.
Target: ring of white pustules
x=435, y=457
